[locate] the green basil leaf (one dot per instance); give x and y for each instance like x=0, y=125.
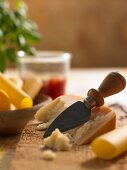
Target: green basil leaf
x=3, y=5
x=21, y=7
x=11, y=55
x=1, y=34
x=29, y=50
x=21, y=40
x=2, y=61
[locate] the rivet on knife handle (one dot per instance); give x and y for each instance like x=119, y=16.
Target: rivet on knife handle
x=112, y=84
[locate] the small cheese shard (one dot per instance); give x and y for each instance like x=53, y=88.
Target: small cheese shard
x=17, y=96
x=111, y=144
x=5, y=103
x=57, y=141
x=32, y=86
x=48, y=155
x=42, y=126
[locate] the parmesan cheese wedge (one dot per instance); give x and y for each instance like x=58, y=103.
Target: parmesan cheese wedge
x=103, y=119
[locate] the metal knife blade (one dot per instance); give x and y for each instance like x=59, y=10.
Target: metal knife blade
x=65, y=122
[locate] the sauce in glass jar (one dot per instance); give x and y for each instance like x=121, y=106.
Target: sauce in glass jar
x=51, y=67
x=54, y=87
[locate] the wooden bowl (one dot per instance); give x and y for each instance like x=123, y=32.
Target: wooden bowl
x=12, y=122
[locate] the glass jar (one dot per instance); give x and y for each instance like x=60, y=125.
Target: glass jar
x=51, y=67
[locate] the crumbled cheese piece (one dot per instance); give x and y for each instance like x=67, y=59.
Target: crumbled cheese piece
x=57, y=141
x=41, y=147
x=48, y=155
x=42, y=126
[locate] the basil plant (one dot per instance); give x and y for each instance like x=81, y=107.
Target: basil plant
x=17, y=33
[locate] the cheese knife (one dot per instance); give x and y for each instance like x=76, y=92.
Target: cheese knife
x=80, y=112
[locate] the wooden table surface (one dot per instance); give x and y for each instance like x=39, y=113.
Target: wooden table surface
x=22, y=152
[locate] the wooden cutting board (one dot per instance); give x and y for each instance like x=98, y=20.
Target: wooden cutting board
x=23, y=153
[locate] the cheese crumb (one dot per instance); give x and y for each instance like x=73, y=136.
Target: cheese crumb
x=48, y=155
x=41, y=147
x=57, y=141
x=43, y=126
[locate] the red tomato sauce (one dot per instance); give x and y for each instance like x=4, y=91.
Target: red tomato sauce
x=54, y=87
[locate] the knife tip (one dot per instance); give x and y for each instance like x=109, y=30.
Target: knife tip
x=46, y=134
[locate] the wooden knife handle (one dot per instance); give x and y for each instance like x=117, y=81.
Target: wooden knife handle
x=112, y=84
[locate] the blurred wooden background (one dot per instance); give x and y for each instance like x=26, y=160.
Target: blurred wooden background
x=95, y=31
